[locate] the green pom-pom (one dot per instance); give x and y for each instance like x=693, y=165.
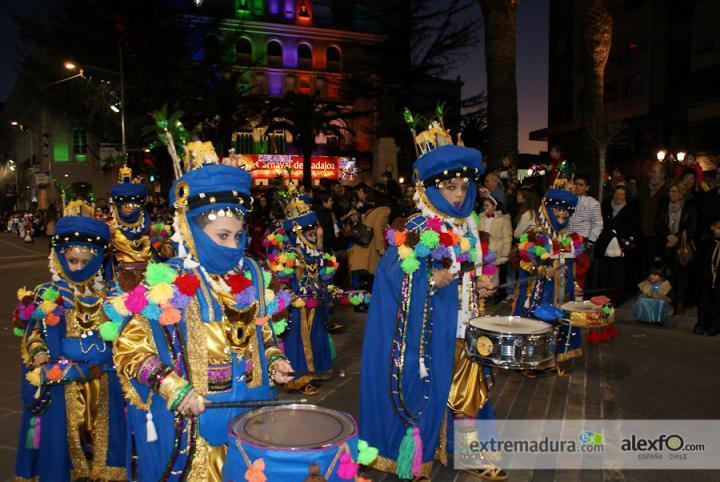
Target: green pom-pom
x=18, y=332
x=267, y=278
x=473, y=254
x=565, y=242
x=109, y=330
x=355, y=300
x=50, y=294
x=157, y=273
x=410, y=264
x=279, y=238
x=607, y=310
x=524, y=238
x=290, y=255
x=287, y=271
x=366, y=453
x=430, y=238
x=279, y=327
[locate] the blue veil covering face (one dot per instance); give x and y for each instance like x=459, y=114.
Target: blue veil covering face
x=83, y=232
x=130, y=193
x=449, y=162
x=214, y=189
x=559, y=199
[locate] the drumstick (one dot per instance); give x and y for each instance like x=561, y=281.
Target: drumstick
x=252, y=403
x=320, y=375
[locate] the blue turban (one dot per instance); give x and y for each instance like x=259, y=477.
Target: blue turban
x=450, y=162
x=559, y=199
x=81, y=231
x=306, y=220
x=214, y=187
x=125, y=193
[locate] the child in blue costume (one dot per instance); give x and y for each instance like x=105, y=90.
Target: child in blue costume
x=199, y=329
x=424, y=284
x=73, y=425
x=298, y=261
x=546, y=276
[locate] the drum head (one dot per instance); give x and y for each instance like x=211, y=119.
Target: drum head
x=586, y=306
x=294, y=427
x=510, y=324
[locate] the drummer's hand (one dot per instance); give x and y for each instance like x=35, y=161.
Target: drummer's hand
x=442, y=278
x=40, y=359
x=192, y=405
x=282, y=372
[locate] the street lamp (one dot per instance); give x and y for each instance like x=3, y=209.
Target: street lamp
x=661, y=155
x=118, y=108
x=680, y=156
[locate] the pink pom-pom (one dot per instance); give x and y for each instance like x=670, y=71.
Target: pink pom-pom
x=311, y=303
x=136, y=300
x=347, y=470
x=435, y=224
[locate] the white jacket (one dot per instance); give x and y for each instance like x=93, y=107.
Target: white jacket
x=499, y=228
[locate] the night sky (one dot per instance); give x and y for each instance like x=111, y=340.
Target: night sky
x=532, y=63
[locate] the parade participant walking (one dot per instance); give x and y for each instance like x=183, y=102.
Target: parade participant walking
x=131, y=248
x=296, y=258
x=199, y=328
x=547, y=254
x=427, y=285
x=73, y=425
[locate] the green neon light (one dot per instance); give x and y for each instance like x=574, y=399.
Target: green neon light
x=61, y=151
x=80, y=157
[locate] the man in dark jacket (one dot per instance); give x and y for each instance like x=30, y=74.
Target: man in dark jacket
x=649, y=197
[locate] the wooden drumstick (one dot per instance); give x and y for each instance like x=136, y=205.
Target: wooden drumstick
x=252, y=403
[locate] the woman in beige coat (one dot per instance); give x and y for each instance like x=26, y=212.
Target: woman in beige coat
x=364, y=259
x=499, y=226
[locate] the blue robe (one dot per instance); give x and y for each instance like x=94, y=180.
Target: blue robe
x=380, y=425
x=170, y=457
x=53, y=460
x=315, y=353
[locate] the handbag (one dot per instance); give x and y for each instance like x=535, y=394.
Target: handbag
x=613, y=249
x=361, y=233
x=686, y=251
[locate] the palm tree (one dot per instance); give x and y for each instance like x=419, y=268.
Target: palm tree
x=597, y=40
x=502, y=111
x=304, y=117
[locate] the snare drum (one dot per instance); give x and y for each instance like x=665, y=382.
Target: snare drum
x=510, y=342
x=585, y=314
x=289, y=438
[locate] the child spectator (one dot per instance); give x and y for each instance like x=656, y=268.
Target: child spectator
x=654, y=303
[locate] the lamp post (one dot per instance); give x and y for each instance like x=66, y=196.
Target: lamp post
x=680, y=156
x=661, y=154
x=13, y=168
x=120, y=73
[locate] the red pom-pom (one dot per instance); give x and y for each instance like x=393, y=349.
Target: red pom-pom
x=593, y=337
x=446, y=239
x=237, y=282
x=187, y=284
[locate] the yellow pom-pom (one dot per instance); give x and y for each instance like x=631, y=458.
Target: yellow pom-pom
x=545, y=255
x=48, y=306
x=23, y=293
x=404, y=251
x=282, y=258
x=269, y=295
x=118, y=302
x=160, y=293
x=298, y=303
x=34, y=377
x=464, y=244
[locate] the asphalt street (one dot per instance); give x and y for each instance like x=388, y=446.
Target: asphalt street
x=645, y=373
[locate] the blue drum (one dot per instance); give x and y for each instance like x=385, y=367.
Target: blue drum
x=288, y=441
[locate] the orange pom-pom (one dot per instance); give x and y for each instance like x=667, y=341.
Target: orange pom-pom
x=54, y=374
x=170, y=316
x=399, y=237
x=52, y=319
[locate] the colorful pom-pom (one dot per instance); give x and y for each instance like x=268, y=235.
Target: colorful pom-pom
x=50, y=294
x=410, y=264
x=170, y=316
x=52, y=319
x=159, y=273
x=430, y=239
x=109, y=330
x=160, y=293
x=187, y=284
x=136, y=300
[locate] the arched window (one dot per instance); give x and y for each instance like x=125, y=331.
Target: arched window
x=334, y=61
x=212, y=51
x=274, y=53
x=243, y=51
x=304, y=53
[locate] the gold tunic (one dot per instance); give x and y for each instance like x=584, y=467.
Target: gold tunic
x=129, y=251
